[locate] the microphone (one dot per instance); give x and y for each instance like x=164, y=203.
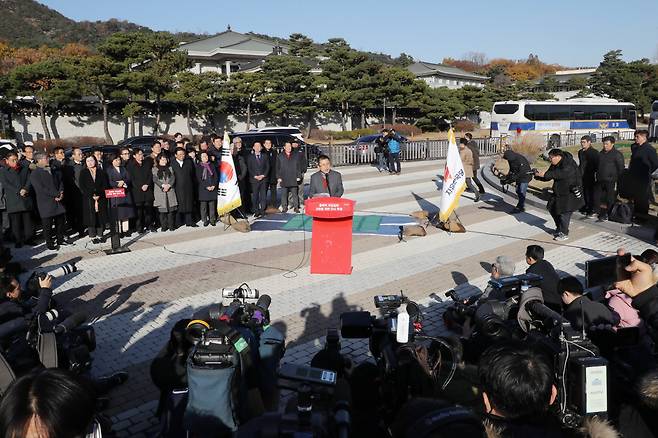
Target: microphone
x=532, y=306
x=70, y=323
x=262, y=305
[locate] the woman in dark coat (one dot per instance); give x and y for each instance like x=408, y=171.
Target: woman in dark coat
x=288, y=175
x=185, y=173
x=566, y=185
x=93, y=182
x=271, y=154
x=119, y=178
x=207, y=178
x=15, y=180
x=164, y=182
x=139, y=170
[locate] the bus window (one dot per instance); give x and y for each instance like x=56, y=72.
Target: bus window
x=506, y=108
x=654, y=107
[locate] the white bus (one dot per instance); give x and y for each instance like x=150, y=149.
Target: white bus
x=653, y=121
x=564, y=120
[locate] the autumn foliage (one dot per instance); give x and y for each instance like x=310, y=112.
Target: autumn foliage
x=12, y=57
x=521, y=70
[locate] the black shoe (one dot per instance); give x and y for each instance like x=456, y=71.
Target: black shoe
x=52, y=247
x=154, y=228
x=214, y=224
x=206, y=223
x=192, y=225
x=163, y=229
x=103, y=239
x=18, y=245
x=95, y=240
x=602, y=218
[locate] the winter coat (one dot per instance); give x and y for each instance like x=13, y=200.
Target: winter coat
x=162, y=198
x=287, y=169
x=13, y=180
x=47, y=186
x=124, y=206
x=519, y=168
x=565, y=176
x=644, y=161
x=548, y=283
x=303, y=161
x=204, y=183
x=141, y=175
x=594, y=312
x=472, y=145
x=272, y=155
x=647, y=304
x=393, y=144
x=588, y=164
x=548, y=427
x=622, y=304
x=185, y=184
x=94, y=187
x=467, y=161
x=611, y=165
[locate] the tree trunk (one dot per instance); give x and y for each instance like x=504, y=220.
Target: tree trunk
x=106, y=128
x=131, y=122
x=309, y=124
x=189, y=126
x=157, y=117
x=395, y=113
x=248, y=116
x=343, y=115
x=44, y=125
x=363, y=118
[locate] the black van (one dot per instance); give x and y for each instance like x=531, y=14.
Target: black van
x=278, y=140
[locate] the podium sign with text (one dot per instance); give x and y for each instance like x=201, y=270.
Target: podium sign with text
x=331, y=247
x=115, y=193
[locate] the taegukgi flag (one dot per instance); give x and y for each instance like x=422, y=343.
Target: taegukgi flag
x=454, y=179
x=228, y=191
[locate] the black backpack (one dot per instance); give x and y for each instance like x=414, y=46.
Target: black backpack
x=621, y=212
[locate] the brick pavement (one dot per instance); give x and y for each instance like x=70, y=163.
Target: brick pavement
x=135, y=298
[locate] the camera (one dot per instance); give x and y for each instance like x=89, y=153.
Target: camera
x=241, y=292
x=32, y=284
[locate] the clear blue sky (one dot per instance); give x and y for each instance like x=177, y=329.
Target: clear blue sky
x=568, y=32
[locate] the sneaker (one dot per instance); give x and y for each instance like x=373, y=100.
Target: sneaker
x=590, y=215
x=561, y=237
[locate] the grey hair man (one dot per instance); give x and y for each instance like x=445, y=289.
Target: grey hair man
x=503, y=266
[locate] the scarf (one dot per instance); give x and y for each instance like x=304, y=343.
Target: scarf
x=207, y=171
x=164, y=172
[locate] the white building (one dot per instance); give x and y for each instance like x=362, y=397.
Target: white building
x=439, y=75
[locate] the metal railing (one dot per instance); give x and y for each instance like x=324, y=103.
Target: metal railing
x=350, y=154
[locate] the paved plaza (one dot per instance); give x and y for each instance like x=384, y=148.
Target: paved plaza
x=135, y=298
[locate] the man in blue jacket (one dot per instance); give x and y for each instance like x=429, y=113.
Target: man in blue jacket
x=394, y=141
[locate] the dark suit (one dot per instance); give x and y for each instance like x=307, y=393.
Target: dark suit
x=331, y=184
x=258, y=165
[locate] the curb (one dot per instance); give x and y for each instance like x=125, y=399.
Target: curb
x=638, y=231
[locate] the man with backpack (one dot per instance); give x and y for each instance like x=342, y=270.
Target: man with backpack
x=610, y=167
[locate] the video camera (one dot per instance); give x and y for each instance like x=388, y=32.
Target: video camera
x=320, y=408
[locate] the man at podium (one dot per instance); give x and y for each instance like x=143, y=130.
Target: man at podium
x=325, y=182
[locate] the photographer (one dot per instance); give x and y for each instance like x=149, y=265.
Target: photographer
x=18, y=309
x=580, y=310
x=534, y=257
x=517, y=384
x=381, y=150
x=567, y=193
x=521, y=174
x=502, y=267
x=642, y=289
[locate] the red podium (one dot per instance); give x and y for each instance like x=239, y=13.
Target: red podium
x=331, y=249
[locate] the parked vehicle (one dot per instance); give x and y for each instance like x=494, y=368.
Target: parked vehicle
x=144, y=142
x=278, y=140
x=295, y=132
x=362, y=151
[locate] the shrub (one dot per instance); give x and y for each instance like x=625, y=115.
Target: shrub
x=49, y=145
x=322, y=134
x=401, y=128
x=464, y=126
x=529, y=145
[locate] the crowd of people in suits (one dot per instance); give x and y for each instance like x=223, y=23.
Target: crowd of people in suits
x=172, y=186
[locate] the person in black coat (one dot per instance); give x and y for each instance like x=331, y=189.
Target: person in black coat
x=289, y=176
x=580, y=310
x=207, y=176
x=73, y=195
x=119, y=178
x=567, y=196
x=258, y=168
x=644, y=161
x=185, y=174
x=48, y=186
x=93, y=183
x=139, y=170
x=534, y=256
x=271, y=154
x=520, y=173
x=611, y=167
x=15, y=180
x=240, y=163
x=588, y=163
x=473, y=146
